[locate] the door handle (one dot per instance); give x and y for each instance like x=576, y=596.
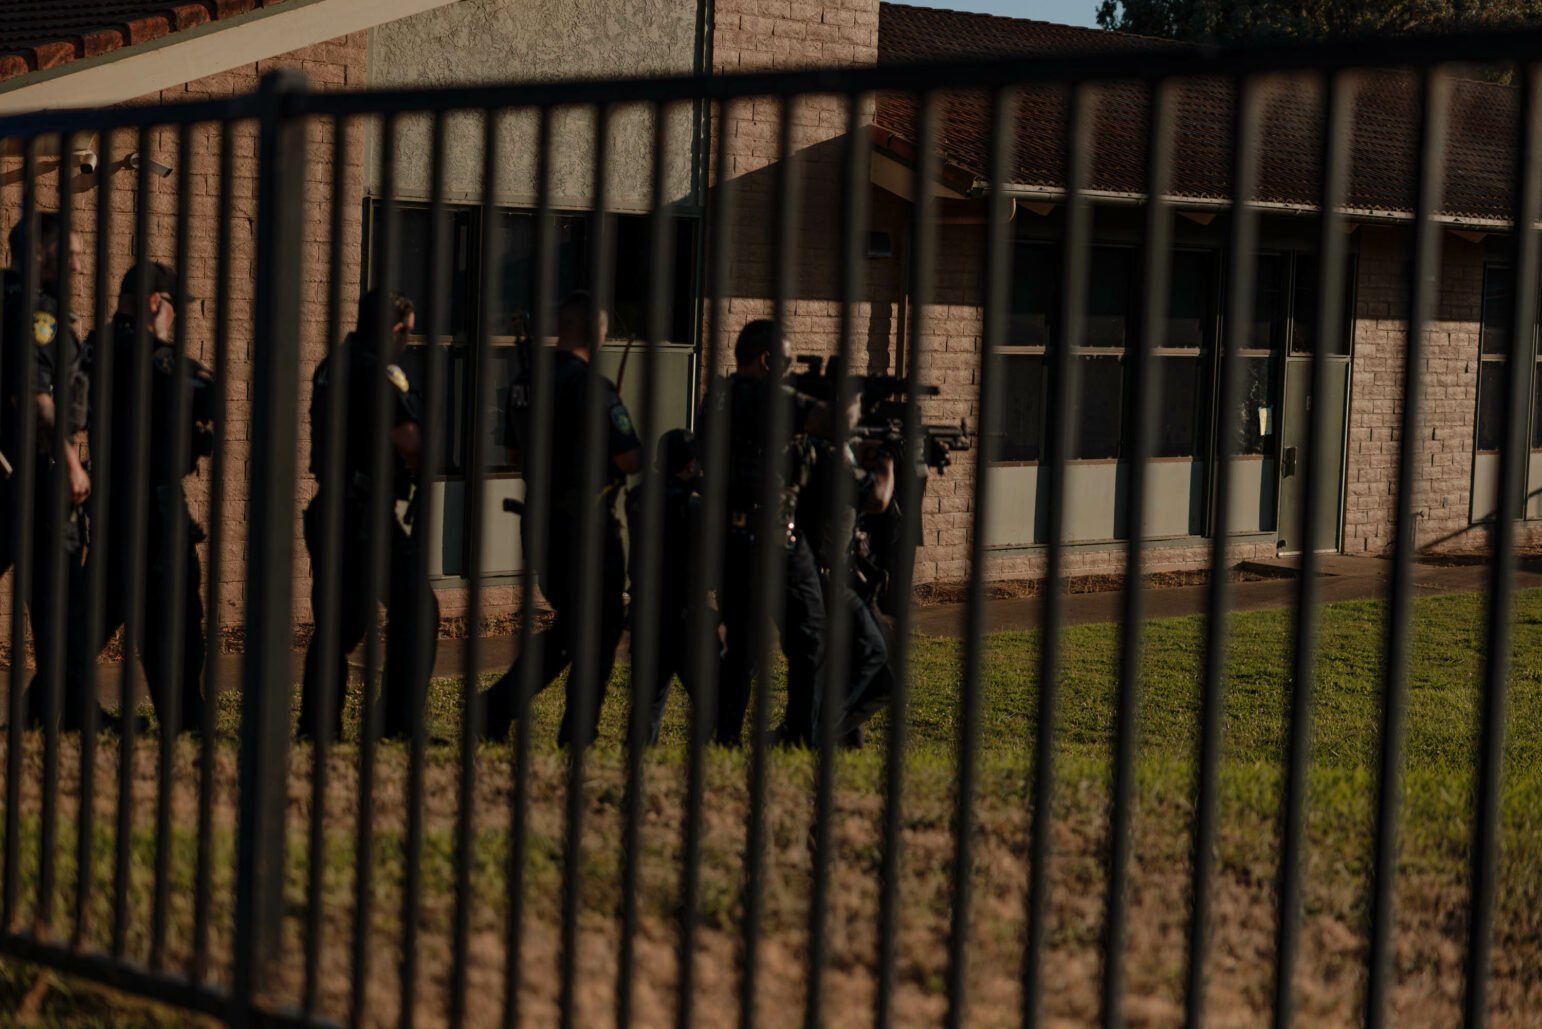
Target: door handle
x=1288, y=463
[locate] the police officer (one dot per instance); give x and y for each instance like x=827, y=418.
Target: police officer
x=871, y=465
x=762, y=358
x=679, y=462
x=406, y=668
x=163, y=498
x=58, y=389
x=577, y=347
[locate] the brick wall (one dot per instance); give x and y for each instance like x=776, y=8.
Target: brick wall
x=336, y=64
x=1443, y=488
x=753, y=35
x=1443, y=491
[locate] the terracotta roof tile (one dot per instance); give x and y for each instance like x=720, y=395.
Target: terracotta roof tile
x=1482, y=125
x=38, y=34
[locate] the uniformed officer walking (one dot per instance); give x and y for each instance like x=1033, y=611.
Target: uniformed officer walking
x=58, y=390
x=163, y=497
x=577, y=347
x=357, y=388
x=866, y=681
x=763, y=358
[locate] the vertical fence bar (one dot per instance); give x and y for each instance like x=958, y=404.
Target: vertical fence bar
x=908, y=497
x=260, y=856
x=1337, y=112
x=22, y=485
x=1242, y=249
x=1061, y=423
x=424, y=614
x=648, y=564
x=136, y=538
x=1156, y=264
x=1489, y=783
x=51, y=648
x=328, y=573
x=587, y=692
x=174, y=555
x=95, y=578
x=770, y=577
x=839, y=496
x=471, y=706
x=998, y=271
x=535, y=531
x=1429, y=188
x=377, y=519
x=712, y=428
x=204, y=888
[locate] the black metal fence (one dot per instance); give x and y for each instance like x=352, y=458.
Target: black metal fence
x=265, y=868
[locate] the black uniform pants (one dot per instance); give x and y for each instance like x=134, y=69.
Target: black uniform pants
x=865, y=684
x=801, y=623
x=155, y=610
x=70, y=633
x=408, y=665
x=676, y=657
x=560, y=643
x=71, y=630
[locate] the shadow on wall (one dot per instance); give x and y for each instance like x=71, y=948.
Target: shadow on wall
x=814, y=319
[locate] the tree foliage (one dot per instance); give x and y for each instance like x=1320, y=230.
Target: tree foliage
x=1247, y=21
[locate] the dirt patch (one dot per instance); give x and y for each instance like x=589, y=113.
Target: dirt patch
x=1330, y=984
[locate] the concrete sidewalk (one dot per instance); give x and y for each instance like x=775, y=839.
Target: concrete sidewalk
x=1342, y=578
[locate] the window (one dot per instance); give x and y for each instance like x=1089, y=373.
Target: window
x=1257, y=426
x=1182, y=353
x=414, y=242
x=513, y=283
x=1107, y=330
x=1493, y=355
x=1035, y=304
x=1110, y=329
x=1495, y=340
x=1023, y=420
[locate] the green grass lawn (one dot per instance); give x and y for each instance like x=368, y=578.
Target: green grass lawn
x=1443, y=697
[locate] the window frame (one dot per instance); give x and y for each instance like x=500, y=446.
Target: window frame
x=1204, y=353
x=1501, y=358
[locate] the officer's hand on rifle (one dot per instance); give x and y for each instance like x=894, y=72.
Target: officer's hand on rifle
x=874, y=456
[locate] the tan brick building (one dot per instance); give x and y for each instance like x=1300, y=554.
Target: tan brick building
x=1464, y=362
x=229, y=44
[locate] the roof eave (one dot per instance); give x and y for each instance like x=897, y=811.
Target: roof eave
x=1369, y=215
x=127, y=73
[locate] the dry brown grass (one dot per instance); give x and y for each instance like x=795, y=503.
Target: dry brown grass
x=1330, y=984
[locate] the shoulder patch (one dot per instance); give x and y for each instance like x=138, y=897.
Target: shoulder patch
x=620, y=419
x=44, y=328
x=397, y=376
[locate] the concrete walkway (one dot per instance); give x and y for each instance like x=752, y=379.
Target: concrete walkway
x=1342, y=578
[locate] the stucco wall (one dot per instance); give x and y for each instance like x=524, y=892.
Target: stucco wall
x=487, y=41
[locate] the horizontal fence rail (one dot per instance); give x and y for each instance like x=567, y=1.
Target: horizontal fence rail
x=455, y=580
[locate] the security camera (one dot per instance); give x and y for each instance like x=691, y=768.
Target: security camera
x=86, y=161
x=135, y=159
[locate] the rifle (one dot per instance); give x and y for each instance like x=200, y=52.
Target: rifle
x=882, y=401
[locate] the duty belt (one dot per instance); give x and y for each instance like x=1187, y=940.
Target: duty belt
x=744, y=522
